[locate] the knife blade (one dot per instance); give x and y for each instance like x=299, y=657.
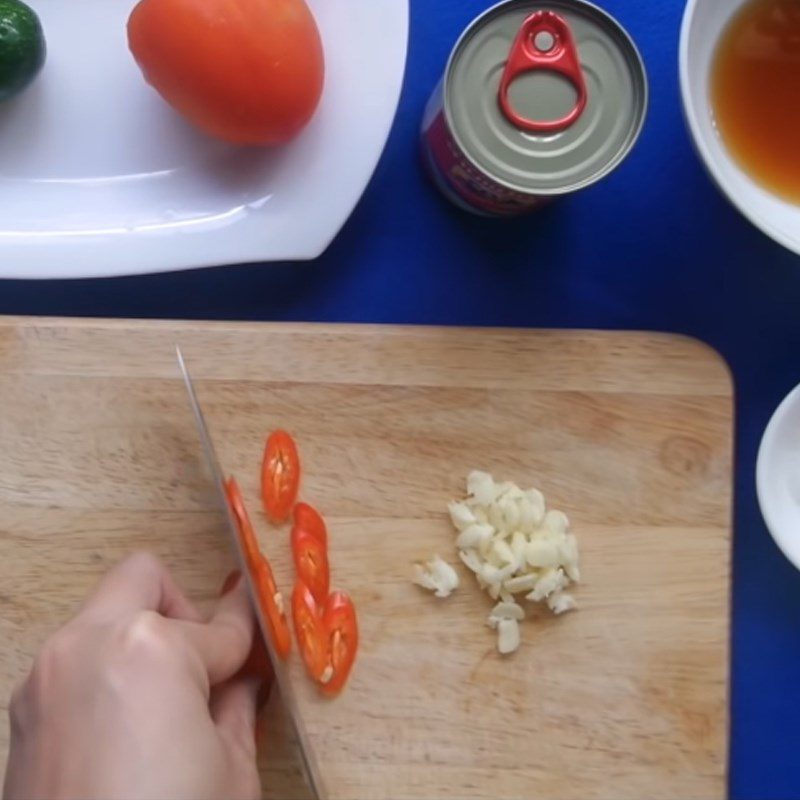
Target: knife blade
x=281, y=676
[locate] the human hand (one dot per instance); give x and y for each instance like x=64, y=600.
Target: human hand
x=137, y=697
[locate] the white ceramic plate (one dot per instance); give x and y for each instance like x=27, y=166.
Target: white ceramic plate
x=703, y=22
x=98, y=176
x=778, y=476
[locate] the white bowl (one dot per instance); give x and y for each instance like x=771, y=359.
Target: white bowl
x=703, y=23
x=778, y=476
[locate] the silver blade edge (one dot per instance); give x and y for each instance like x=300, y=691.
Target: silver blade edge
x=282, y=679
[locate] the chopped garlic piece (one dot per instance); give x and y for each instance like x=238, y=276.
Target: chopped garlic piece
x=474, y=536
x=481, y=487
x=569, y=557
x=507, y=636
x=534, y=510
x=437, y=576
x=326, y=675
x=511, y=514
x=559, y=602
x=490, y=574
x=505, y=610
x=522, y=583
x=278, y=598
x=519, y=546
x=495, y=514
x=471, y=560
x=495, y=575
x=556, y=522
x=461, y=515
x=503, y=552
x=480, y=515
x=504, y=488
x=515, y=546
x=527, y=516
x=504, y=573
x=508, y=611
x=542, y=553
x=551, y=580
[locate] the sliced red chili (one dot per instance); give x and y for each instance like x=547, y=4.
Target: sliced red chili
x=311, y=563
x=307, y=518
x=274, y=615
x=309, y=631
x=247, y=536
x=260, y=573
x=339, y=620
x=280, y=475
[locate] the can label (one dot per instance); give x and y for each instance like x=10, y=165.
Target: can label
x=459, y=178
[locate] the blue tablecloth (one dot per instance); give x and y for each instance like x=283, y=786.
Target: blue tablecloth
x=652, y=247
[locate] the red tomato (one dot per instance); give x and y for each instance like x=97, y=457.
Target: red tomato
x=280, y=475
x=246, y=71
x=308, y=629
x=339, y=619
x=273, y=614
x=308, y=519
x=311, y=563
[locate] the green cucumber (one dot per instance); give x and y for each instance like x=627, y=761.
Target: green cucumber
x=22, y=47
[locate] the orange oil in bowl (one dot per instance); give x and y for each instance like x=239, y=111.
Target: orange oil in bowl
x=755, y=93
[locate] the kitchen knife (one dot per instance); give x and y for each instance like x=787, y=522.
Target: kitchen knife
x=281, y=675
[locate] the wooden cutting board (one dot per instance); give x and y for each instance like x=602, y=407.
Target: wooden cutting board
x=629, y=433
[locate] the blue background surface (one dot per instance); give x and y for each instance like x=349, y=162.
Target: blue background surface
x=652, y=247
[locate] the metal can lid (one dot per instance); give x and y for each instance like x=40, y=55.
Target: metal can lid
x=609, y=107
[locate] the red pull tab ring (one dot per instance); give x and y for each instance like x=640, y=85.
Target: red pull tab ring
x=527, y=55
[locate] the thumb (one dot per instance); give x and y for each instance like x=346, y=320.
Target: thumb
x=233, y=708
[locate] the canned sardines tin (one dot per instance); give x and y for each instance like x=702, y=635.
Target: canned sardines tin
x=538, y=100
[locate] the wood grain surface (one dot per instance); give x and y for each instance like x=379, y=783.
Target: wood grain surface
x=630, y=434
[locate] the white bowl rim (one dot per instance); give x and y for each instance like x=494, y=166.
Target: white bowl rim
x=788, y=545
x=702, y=147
